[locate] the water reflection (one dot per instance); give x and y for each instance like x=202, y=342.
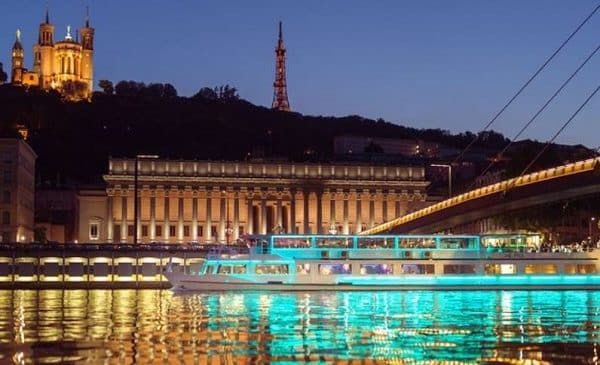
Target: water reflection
x=142, y=326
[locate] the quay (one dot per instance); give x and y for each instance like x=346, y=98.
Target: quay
x=24, y=266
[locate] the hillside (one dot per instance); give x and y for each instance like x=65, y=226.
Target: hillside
x=74, y=140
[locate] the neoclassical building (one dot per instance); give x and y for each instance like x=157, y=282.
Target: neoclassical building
x=206, y=201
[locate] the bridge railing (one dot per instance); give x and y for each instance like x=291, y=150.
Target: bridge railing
x=532, y=178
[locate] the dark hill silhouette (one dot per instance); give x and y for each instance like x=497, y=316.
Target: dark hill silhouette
x=75, y=139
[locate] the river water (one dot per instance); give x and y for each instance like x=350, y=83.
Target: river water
x=158, y=326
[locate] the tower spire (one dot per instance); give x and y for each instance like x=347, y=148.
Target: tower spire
x=280, y=32
x=280, y=97
x=47, y=15
x=87, y=16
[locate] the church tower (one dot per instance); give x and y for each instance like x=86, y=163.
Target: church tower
x=16, y=75
x=280, y=97
x=87, y=53
x=43, y=54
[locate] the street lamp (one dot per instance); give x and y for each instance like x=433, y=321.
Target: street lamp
x=449, y=167
x=136, y=218
x=590, y=223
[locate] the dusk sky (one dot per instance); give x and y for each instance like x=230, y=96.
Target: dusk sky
x=426, y=64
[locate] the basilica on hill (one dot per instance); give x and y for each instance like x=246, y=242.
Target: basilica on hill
x=66, y=65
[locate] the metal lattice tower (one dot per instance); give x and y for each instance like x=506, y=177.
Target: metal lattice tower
x=280, y=97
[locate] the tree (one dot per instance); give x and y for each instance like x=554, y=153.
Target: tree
x=169, y=91
x=206, y=93
x=107, y=86
x=3, y=75
x=74, y=90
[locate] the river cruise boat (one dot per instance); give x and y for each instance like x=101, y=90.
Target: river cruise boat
x=391, y=262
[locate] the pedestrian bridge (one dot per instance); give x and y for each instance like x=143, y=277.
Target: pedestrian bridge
x=554, y=184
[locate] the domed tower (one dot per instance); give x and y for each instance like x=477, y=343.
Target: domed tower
x=43, y=53
x=16, y=76
x=87, y=54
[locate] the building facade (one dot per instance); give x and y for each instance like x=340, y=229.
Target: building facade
x=17, y=165
x=203, y=201
x=66, y=65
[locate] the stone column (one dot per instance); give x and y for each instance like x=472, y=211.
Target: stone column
x=194, y=216
x=250, y=222
x=305, y=196
x=208, y=222
x=346, y=228
x=263, y=214
x=293, y=212
x=371, y=210
x=124, y=225
x=166, y=222
x=152, y=215
x=236, y=215
x=279, y=211
x=109, y=220
x=384, y=207
x=180, y=198
x=358, y=228
x=332, y=221
x=222, y=215
x=319, y=212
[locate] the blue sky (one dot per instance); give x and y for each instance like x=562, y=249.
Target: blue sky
x=427, y=64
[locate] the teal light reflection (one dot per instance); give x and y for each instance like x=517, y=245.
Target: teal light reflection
x=410, y=326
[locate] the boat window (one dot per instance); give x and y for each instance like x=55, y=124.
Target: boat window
x=210, y=269
x=334, y=242
x=417, y=242
x=376, y=269
x=280, y=242
x=541, y=269
x=224, y=269
x=303, y=269
x=276, y=269
x=459, y=269
x=239, y=269
x=335, y=269
x=454, y=243
x=580, y=269
x=500, y=269
x=417, y=269
x=375, y=243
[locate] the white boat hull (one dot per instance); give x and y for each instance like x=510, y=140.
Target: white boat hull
x=183, y=282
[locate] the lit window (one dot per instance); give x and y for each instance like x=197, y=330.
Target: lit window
x=303, y=269
x=272, y=269
x=94, y=231
x=376, y=269
x=335, y=269
x=500, y=269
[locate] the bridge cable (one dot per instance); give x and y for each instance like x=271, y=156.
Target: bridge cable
x=524, y=86
x=549, y=142
x=534, y=117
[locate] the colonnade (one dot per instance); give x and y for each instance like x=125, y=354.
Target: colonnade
x=223, y=214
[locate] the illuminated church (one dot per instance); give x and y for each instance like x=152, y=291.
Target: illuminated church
x=66, y=65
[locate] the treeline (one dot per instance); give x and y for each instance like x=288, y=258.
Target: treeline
x=75, y=139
